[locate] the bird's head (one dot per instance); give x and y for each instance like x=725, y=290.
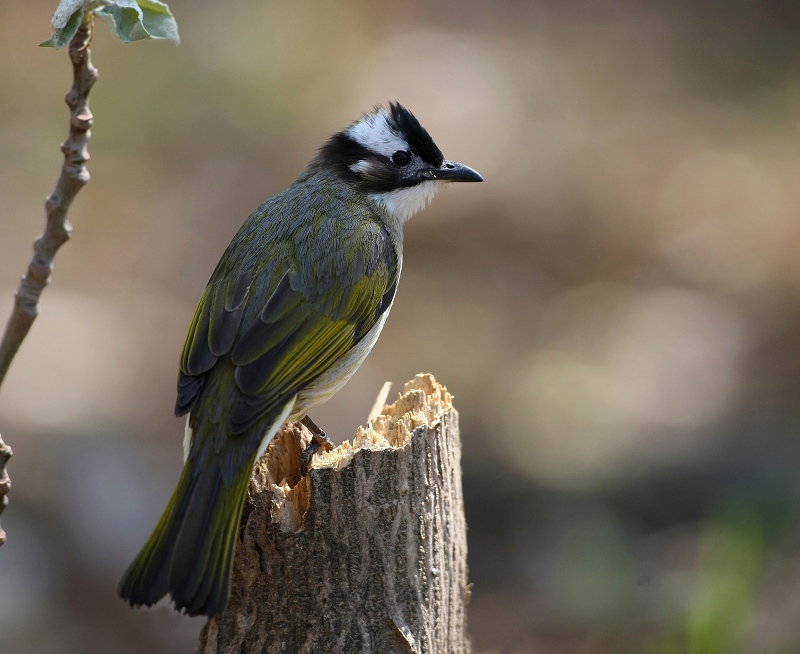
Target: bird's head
x=389, y=156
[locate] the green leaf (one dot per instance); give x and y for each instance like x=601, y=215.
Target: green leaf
x=125, y=19
x=64, y=24
x=158, y=20
x=133, y=20
x=130, y=20
x=65, y=10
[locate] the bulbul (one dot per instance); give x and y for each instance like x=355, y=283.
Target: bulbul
x=292, y=309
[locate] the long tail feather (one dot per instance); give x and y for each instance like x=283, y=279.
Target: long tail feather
x=190, y=553
x=200, y=571
x=147, y=578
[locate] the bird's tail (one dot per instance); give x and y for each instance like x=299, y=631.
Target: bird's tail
x=190, y=553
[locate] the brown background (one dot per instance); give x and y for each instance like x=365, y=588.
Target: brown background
x=616, y=309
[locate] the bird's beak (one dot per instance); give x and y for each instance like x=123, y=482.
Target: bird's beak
x=450, y=171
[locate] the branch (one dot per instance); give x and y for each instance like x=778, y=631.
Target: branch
x=5, y=482
x=367, y=553
x=73, y=176
x=57, y=229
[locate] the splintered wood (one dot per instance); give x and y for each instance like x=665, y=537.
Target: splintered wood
x=365, y=554
x=420, y=404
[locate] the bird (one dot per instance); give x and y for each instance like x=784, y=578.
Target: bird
x=293, y=307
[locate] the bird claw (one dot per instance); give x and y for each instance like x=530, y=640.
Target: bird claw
x=319, y=439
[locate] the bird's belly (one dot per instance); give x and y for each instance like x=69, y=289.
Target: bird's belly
x=330, y=381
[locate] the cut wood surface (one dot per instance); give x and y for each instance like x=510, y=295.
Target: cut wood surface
x=367, y=554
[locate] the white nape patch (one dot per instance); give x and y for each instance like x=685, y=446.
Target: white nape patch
x=268, y=434
x=375, y=133
x=403, y=203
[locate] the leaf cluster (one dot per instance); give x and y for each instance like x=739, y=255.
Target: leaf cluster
x=130, y=20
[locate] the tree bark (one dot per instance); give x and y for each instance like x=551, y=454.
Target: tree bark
x=367, y=554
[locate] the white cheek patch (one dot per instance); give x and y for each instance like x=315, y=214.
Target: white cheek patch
x=375, y=133
x=362, y=166
x=403, y=203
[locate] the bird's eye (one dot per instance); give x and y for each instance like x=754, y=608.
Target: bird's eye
x=401, y=158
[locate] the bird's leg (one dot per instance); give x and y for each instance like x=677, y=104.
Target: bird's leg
x=319, y=439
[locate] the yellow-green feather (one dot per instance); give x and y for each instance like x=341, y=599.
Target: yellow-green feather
x=190, y=553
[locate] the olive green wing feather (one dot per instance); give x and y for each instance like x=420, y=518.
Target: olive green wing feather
x=211, y=334
x=313, y=315
x=295, y=338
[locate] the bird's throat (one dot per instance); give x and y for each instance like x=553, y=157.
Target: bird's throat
x=403, y=203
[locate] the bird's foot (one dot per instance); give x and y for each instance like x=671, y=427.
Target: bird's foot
x=319, y=439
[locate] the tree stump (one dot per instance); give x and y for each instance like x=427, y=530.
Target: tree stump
x=367, y=554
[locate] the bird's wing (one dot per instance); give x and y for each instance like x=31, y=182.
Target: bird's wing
x=211, y=334
x=314, y=315
x=300, y=333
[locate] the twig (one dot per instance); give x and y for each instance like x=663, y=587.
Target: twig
x=57, y=229
x=5, y=482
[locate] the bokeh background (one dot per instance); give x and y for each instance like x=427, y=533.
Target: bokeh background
x=616, y=309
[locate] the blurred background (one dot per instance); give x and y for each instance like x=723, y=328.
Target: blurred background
x=616, y=309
